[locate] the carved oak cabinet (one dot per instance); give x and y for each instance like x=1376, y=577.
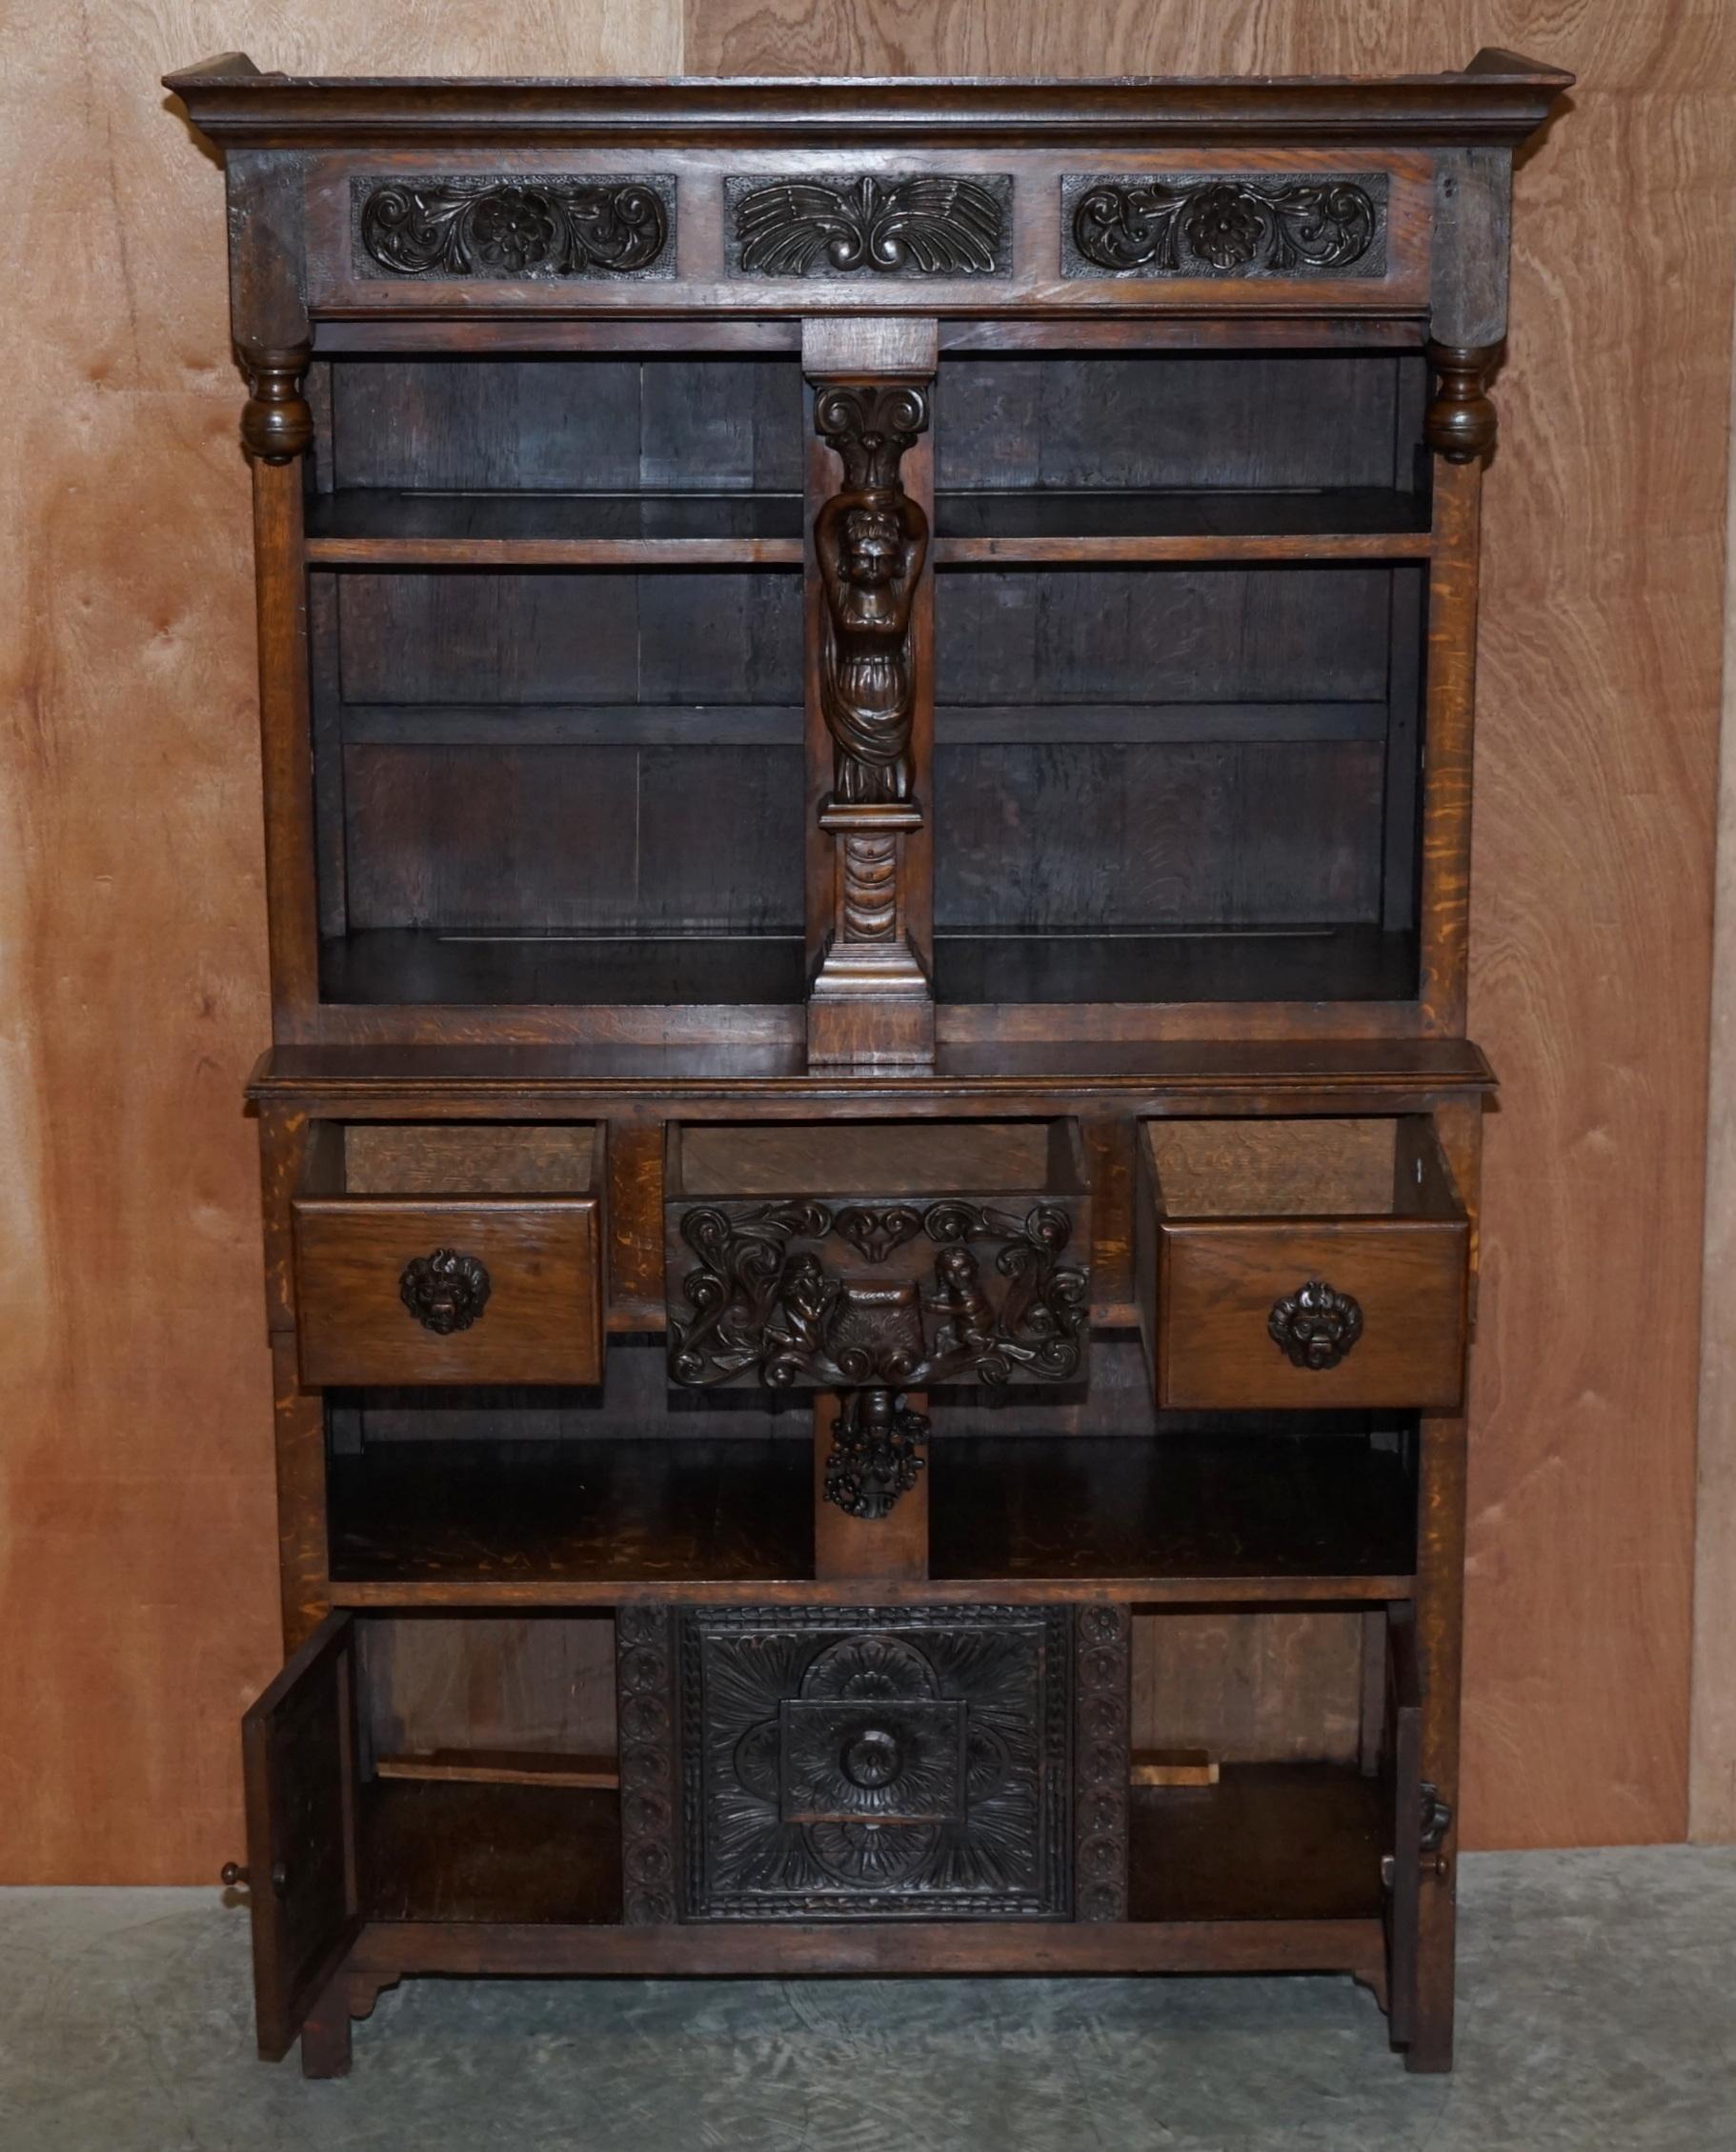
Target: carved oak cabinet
x=870, y=1155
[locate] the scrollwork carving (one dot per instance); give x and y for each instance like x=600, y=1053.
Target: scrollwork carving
x=1225, y=226
x=519, y=227
x=763, y=1305
x=930, y=224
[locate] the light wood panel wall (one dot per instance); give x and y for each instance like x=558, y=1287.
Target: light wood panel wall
x=136, y=1536
x=137, y=1594
x=1712, y=1775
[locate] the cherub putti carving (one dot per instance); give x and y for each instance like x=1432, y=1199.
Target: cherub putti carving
x=870, y=539
x=803, y=1298
x=970, y=1314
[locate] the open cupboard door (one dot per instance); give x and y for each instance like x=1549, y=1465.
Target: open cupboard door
x=298, y=1755
x=1405, y=1750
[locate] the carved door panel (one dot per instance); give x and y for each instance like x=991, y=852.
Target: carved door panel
x=298, y=1756
x=876, y=1762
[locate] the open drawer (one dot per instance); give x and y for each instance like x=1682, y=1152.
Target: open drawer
x=1296, y=1263
x=430, y=1253
x=840, y=1254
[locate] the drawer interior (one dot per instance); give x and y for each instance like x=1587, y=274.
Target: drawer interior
x=870, y=1158
x=1325, y=1167
x=454, y=1159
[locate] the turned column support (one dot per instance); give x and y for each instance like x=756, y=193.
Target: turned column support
x=276, y=424
x=1460, y=422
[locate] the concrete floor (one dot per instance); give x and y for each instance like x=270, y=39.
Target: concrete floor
x=1597, y=2014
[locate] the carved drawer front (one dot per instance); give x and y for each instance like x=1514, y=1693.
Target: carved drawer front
x=873, y=1761
x=1301, y=1264
x=450, y=1253
x=908, y=1254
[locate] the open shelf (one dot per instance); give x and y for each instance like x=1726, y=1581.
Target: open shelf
x=456, y=1850
x=573, y=1512
x=1264, y=1514
x=1060, y=524
x=1345, y=963
x=379, y=528
x=410, y=966
x=1270, y=1842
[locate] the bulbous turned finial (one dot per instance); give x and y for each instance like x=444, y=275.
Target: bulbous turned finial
x=1460, y=422
x=276, y=424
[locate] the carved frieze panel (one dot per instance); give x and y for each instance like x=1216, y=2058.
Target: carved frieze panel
x=875, y=1762
x=1224, y=224
x=645, y=1719
x=1101, y=1674
x=525, y=227
x=875, y=225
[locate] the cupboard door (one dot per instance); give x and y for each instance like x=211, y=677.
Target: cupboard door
x=1405, y=1751
x=298, y=1755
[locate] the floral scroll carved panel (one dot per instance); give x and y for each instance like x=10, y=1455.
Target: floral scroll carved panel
x=1224, y=225
x=530, y=227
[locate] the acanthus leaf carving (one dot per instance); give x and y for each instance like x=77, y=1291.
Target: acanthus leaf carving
x=928, y=224
x=874, y=1761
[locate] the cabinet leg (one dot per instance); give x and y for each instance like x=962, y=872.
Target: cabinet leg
x=325, y=2037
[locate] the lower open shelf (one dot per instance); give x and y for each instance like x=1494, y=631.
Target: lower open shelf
x=434, y=1850
x=1270, y=1842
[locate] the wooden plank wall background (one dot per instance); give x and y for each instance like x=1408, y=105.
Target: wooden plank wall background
x=137, y=1535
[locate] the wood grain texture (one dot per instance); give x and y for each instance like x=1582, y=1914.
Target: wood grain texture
x=1599, y=651
x=136, y=1478
x=1712, y=1762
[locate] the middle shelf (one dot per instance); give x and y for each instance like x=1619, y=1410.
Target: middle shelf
x=1251, y=1517
x=385, y=528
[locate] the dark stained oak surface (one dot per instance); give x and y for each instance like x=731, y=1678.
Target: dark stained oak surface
x=1236, y=1506
x=1296, y=1841
x=446, y=1850
x=410, y=965
x=575, y=1511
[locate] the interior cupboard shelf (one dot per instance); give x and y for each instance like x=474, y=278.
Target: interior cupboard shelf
x=457, y=1850
x=368, y=528
x=411, y=966
x=572, y=1513
x=1266, y=1515
x=1270, y=1842
x=1345, y=963
x=1055, y=525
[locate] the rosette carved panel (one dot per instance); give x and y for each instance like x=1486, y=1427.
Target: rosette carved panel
x=875, y=1762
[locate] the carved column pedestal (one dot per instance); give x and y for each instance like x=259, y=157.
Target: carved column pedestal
x=871, y=1001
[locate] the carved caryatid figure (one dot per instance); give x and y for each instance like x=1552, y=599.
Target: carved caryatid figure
x=870, y=539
